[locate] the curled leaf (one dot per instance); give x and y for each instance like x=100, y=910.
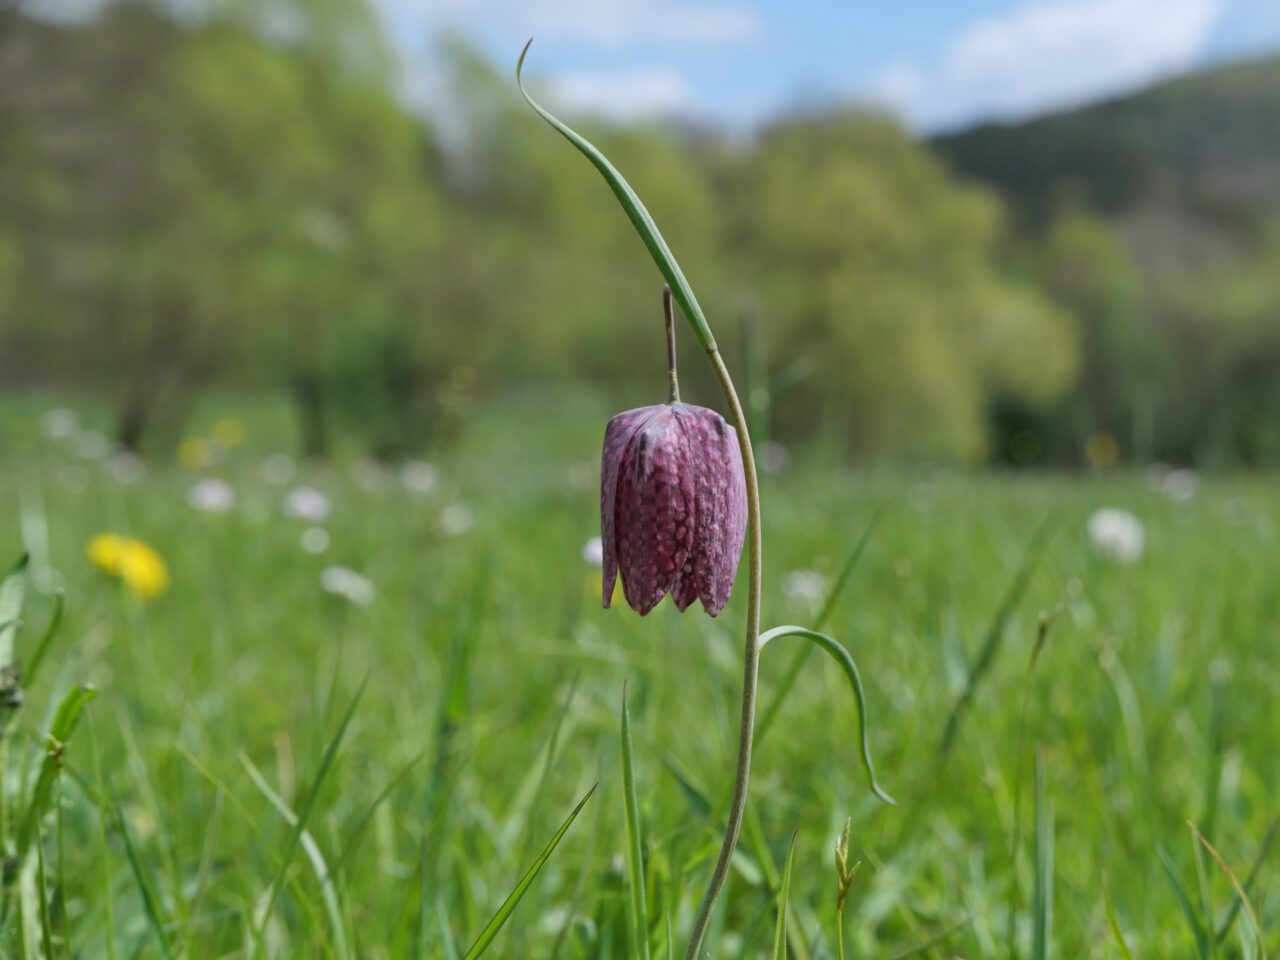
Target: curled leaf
x=841, y=656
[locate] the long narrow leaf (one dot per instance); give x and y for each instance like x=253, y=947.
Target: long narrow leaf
x=328, y=889
x=155, y=922
x=32, y=667
x=995, y=633
x=65, y=721
x=1249, y=880
x=1114, y=921
x=1235, y=885
x=635, y=856
x=780, y=930
x=513, y=899
x=842, y=657
x=304, y=815
x=1184, y=902
x=828, y=608
x=1042, y=894
x=13, y=589
x=636, y=213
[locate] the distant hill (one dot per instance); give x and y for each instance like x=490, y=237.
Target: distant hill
x=1189, y=162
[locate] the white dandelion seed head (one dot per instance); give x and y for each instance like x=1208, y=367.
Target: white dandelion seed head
x=593, y=552
x=1117, y=535
x=456, y=519
x=278, y=469
x=90, y=445
x=126, y=468
x=805, y=587
x=211, y=496
x=369, y=475
x=418, y=476
x=314, y=540
x=59, y=423
x=1180, y=485
x=306, y=503
x=346, y=583
x=774, y=457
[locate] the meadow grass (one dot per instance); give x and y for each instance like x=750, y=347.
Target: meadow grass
x=268, y=769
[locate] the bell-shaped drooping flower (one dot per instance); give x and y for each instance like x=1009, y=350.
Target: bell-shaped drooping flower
x=673, y=506
x=673, y=501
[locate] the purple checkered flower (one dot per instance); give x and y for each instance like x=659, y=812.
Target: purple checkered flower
x=673, y=506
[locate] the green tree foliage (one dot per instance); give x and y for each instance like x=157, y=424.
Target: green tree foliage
x=238, y=196
x=874, y=263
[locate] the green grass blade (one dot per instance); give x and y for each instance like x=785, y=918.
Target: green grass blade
x=780, y=931
x=1184, y=902
x=1114, y=921
x=37, y=657
x=13, y=590
x=798, y=661
x=639, y=915
x=636, y=213
x=1042, y=892
x=65, y=721
x=939, y=937
x=1242, y=897
x=991, y=643
x=304, y=815
x=513, y=899
x=1230, y=918
x=311, y=849
x=150, y=904
x=842, y=657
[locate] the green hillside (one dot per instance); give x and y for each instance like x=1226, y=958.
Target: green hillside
x=1207, y=142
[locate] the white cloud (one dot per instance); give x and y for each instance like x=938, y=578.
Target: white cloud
x=1048, y=54
x=624, y=93
x=607, y=23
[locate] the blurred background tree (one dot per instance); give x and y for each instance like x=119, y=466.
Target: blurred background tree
x=233, y=195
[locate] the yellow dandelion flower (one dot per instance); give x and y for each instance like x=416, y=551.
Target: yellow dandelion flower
x=105, y=551
x=194, y=453
x=228, y=432
x=137, y=565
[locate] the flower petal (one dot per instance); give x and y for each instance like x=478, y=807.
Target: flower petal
x=620, y=431
x=720, y=506
x=654, y=509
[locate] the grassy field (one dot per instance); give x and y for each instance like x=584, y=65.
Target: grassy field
x=492, y=688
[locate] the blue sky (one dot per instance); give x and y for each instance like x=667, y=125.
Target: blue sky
x=938, y=63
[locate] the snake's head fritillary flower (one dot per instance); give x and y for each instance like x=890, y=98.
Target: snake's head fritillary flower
x=673, y=506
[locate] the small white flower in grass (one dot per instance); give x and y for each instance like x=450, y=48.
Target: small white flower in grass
x=211, y=496
x=1117, y=534
x=278, y=469
x=346, y=583
x=90, y=445
x=369, y=475
x=59, y=423
x=456, y=519
x=806, y=588
x=126, y=468
x=593, y=552
x=418, y=476
x=315, y=540
x=306, y=503
x=774, y=457
x=1180, y=485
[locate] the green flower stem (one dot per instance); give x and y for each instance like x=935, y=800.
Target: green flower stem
x=683, y=294
x=751, y=663
x=673, y=379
